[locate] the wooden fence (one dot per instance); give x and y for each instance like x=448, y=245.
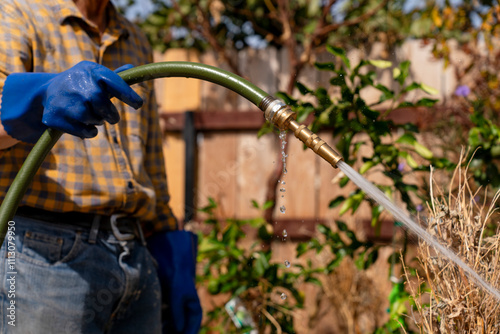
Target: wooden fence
x=232, y=165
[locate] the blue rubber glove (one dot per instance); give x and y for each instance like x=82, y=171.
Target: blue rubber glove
x=176, y=252
x=73, y=101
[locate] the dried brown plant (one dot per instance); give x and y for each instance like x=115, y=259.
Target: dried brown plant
x=450, y=301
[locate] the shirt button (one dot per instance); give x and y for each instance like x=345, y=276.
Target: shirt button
x=130, y=185
x=115, y=139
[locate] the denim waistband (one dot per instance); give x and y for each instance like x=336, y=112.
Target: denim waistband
x=123, y=227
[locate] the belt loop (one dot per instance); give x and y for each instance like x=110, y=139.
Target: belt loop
x=116, y=232
x=94, y=230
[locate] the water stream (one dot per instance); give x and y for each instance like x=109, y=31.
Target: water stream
x=377, y=195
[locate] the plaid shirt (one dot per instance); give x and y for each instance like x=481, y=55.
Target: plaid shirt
x=121, y=170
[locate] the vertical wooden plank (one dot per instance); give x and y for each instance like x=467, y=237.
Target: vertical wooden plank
x=217, y=168
x=299, y=199
x=173, y=146
x=256, y=162
x=257, y=157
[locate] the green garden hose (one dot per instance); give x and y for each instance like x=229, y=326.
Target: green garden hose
x=132, y=76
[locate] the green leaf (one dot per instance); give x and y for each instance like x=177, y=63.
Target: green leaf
x=336, y=261
x=407, y=138
x=325, y=66
x=339, y=52
x=255, y=204
x=403, y=72
x=380, y=63
x=267, y=205
x=428, y=89
x=286, y=98
x=210, y=206
x=411, y=87
x=348, y=203
x=261, y=264
x=209, y=245
x=310, y=27
x=409, y=159
x=324, y=117
x=369, y=113
x=386, y=93
x=405, y=104
x=343, y=181
x=338, y=81
x=425, y=102
x=265, y=129
x=302, y=88
x=376, y=211
x=301, y=249
x=336, y=202
x=396, y=72
x=341, y=225
x=314, y=281
x=366, y=166
x=423, y=151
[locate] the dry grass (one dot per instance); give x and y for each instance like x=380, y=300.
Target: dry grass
x=451, y=303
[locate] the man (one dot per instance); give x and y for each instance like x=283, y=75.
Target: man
x=79, y=263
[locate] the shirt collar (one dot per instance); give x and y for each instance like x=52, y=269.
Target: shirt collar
x=116, y=22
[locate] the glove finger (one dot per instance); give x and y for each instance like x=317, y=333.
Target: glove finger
x=103, y=108
x=124, y=68
x=117, y=87
x=78, y=119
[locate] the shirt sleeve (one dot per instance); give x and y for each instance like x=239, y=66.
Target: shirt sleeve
x=155, y=167
x=15, y=43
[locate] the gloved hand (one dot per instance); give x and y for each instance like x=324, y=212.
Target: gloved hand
x=73, y=101
x=176, y=252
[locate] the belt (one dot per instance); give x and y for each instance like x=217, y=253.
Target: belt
x=123, y=227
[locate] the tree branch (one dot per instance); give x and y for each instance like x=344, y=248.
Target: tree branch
x=354, y=21
x=205, y=31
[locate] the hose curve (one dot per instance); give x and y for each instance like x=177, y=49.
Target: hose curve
x=132, y=76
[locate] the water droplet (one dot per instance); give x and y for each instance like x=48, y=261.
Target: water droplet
x=283, y=296
x=283, y=182
x=282, y=190
x=285, y=170
x=282, y=209
x=287, y=263
x=285, y=233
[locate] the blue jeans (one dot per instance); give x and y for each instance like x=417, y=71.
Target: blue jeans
x=54, y=279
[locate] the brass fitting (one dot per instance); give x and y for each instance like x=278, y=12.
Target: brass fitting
x=315, y=143
x=279, y=114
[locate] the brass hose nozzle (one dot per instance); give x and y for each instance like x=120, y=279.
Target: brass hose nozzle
x=279, y=114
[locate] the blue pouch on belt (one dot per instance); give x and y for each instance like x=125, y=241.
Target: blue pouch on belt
x=175, y=252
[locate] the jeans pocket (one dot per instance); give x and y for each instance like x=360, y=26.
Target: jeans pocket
x=46, y=249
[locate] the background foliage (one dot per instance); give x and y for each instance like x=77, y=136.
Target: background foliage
x=456, y=30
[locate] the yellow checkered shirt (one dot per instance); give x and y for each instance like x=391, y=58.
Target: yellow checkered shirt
x=121, y=170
